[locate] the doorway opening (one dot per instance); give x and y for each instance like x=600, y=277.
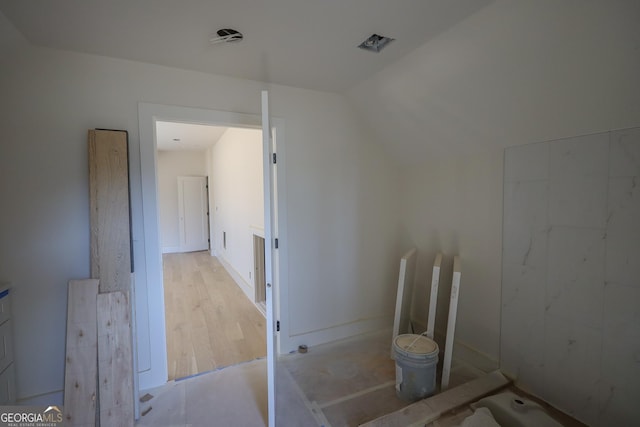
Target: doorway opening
x=149, y=290
x=209, y=274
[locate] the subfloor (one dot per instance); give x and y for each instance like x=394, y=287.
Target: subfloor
x=350, y=382
x=339, y=384
x=345, y=383
x=210, y=323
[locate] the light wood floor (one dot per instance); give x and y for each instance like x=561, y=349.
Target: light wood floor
x=210, y=322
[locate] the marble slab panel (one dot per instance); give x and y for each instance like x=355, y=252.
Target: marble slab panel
x=575, y=275
x=623, y=231
x=620, y=388
x=572, y=368
x=525, y=223
x=624, y=158
x=581, y=350
x=522, y=332
x=527, y=162
x=578, y=174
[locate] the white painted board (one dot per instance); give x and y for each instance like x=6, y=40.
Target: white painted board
x=433, y=300
x=451, y=323
x=402, y=318
x=270, y=255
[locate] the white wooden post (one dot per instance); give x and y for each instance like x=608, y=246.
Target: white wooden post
x=402, y=318
x=433, y=301
x=451, y=323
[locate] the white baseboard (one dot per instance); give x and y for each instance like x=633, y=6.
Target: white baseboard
x=242, y=284
x=181, y=249
x=51, y=398
x=336, y=333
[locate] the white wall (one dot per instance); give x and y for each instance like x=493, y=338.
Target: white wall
x=511, y=74
x=11, y=40
x=340, y=191
x=343, y=219
x=171, y=165
x=237, y=200
x=571, y=274
x=453, y=205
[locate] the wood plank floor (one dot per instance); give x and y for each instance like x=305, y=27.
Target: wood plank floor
x=210, y=322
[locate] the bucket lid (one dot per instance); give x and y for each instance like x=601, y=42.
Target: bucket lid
x=417, y=344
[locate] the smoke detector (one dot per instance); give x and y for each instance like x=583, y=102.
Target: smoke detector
x=226, y=35
x=375, y=43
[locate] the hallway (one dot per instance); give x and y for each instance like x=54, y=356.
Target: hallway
x=210, y=323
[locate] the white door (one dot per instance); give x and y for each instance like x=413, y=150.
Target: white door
x=270, y=255
x=193, y=208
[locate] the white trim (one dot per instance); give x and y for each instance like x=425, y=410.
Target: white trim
x=433, y=299
x=451, y=324
x=247, y=289
x=171, y=250
x=338, y=332
x=157, y=372
x=404, y=295
x=258, y=231
x=281, y=294
x=242, y=284
x=270, y=254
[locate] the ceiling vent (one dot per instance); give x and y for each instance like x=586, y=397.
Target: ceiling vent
x=226, y=35
x=375, y=43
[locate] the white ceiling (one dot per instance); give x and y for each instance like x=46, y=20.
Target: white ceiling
x=191, y=137
x=463, y=76
x=303, y=43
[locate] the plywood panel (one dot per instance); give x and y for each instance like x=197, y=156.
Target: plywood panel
x=81, y=362
x=109, y=203
x=402, y=318
x=115, y=361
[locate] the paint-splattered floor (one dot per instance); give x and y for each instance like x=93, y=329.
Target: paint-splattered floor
x=350, y=382
x=345, y=383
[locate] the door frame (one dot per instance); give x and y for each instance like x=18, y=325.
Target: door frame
x=150, y=292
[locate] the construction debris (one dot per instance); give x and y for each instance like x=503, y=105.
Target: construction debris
x=147, y=397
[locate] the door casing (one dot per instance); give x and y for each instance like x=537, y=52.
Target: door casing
x=152, y=352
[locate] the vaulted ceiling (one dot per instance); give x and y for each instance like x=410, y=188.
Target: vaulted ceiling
x=514, y=72
x=310, y=44
x=461, y=76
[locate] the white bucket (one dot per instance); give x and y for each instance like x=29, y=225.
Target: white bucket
x=416, y=359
